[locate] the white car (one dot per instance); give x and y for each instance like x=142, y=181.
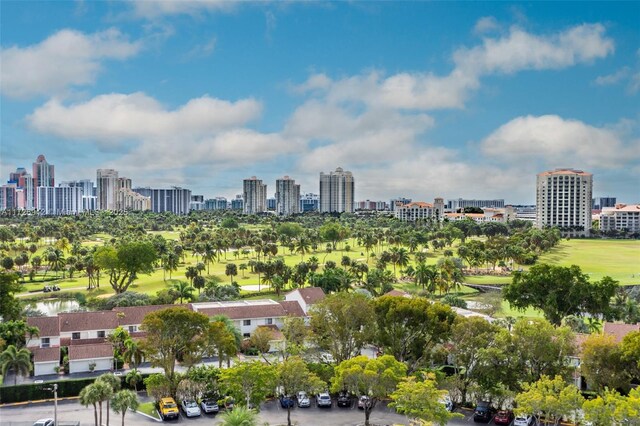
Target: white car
x=303, y=400
x=323, y=400
x=209, y=406
x=44, y=422
x=447, y=402
x=523, y=420
x=190, y=408
x=327, y=358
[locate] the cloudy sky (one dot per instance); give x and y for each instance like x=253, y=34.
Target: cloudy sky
x=417, y=99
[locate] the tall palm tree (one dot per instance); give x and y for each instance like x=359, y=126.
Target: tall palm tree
x=123, y=401
x=239, y=416
x=231, y=270
x=88, y=396
x=16, y=360
x=113, y=382
x=182, y=290
x=133, y=353
x=302, y=246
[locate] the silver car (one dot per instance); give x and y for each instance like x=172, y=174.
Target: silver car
x=323, y=400
x=303, y=400
x=209, y=406
x=190, y=408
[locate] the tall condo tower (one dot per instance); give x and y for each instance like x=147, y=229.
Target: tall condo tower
x=287, y=196
x=563, y=199
x=107, y=189
x=43, y=175
x=336, y=192
x=255, y=196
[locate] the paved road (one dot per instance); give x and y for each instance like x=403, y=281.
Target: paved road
x=71, y=410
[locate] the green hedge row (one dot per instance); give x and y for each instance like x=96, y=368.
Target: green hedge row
x=38, y=391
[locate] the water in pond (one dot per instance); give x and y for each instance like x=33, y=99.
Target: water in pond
x=55, y=306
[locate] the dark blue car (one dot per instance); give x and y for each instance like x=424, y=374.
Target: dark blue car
x=286, y=401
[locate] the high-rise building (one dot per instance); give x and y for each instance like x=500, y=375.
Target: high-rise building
x=175, y=199
x=107, y=189
x=461, y=203
x=43, y=175
x=197, y=202
x=24, y=189
x=309, y=203
x=129, y=200
x=89, y=199
x=599, y=203
x=8, y=197
x=255, y=196
x=218, y=203
x=563, y=199
x=237, y=203
x=621, y=217
x=397, y=202
x=337, y=192
x=62, y=200
x=287, y=196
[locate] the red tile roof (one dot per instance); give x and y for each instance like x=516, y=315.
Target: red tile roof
x=81, y=321
x=100, y=350
x=46, y=354
x=246, y=311
x=292, y=308
x=133, y=315
x=310, y=295
x=48, y=326
x=618, y=331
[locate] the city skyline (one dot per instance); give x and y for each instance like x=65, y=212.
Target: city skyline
x=418, y=100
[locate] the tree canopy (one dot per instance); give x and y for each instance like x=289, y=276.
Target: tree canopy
x=125, y=261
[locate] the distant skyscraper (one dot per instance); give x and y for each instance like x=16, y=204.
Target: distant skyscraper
x=462, y=203
x=25, y=197
x=43, y=175
x=563, y=199
x=107, y=189
x=237, y=203
x=287, y=196
x=309, y=203
x=255, y=196
x=62, y=200
x=599, y=203
x=89, y=199
x=336, y=192
x=175, y=199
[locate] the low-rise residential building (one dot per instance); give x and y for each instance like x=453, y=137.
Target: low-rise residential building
x=622, y=217
x=305, y=297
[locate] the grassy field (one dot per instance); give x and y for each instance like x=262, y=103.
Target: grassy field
x=619, y=259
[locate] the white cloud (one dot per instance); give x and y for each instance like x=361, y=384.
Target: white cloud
x=616, y=77
x=634, y=83
x=67, y=58
x=152, y=9
x=517, y=51
x=486, y=24
x=115, y=117
x=552, y=141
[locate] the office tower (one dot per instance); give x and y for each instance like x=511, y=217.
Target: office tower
x=43, y=175
x=62, y=200
x=287, y=196
x=107, y=189
x=309, y=203
x=336, y=192
x=563, y=199
x=255, y=196
x=599, y=203
x=175, y=199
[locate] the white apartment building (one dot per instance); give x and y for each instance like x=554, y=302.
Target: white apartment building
x=337, y=192
x=62, y=200
x=563, y=199
x=287, y=196
x=254, y=195
x=622, y=217
x=106, y=189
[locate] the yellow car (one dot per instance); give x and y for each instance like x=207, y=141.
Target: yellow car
x=168, y=409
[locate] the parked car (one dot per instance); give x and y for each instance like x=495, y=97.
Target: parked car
x=168, y=408
x=327, y=358
x=484, y=412
x=523, y=420
x=344, y=399
x=229, y=403
x=190, y=408
x=323, y=400
x=286, y=401
x=363, y=402
x=504, y=417
x=447, y=402
x=303, y=400
x=209, y=405
x=44, y=422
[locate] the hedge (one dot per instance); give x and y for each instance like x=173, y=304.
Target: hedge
x=38, y=391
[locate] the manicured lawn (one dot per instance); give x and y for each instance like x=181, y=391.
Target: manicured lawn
x=487, y=279
x=148, y=408
x=619, y=259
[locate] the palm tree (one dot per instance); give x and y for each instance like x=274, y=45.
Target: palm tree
x=182, y=290
x=88, y=396
x=242, y=267
x=133, y=353
x=232, y=329
x=123, y=401
x=94, y=394
x=17, y=360
x=231, y=270
x=191, y=273
x=114, y=383
x=239, y=416
x=302, y=246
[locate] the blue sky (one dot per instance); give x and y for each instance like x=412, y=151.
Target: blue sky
x=417, y=99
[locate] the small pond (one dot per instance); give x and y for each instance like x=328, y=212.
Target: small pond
x=54, y=306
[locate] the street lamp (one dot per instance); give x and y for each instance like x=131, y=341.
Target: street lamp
x=54, y=388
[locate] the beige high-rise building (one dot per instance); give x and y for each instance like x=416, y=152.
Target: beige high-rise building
x=563, y=199
x=128, y=199
x=337, y=192
x=255, y=196
x=107, y=189
x=287, y=196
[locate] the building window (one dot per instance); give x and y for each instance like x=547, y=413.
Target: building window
x=269, y=321
x=44, y=342
x=133, y=328
x=246, y=322
x=75, y=336
x=101, y=334
x=246, y=335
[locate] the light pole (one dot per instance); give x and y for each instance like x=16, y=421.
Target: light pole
x=55, y=403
